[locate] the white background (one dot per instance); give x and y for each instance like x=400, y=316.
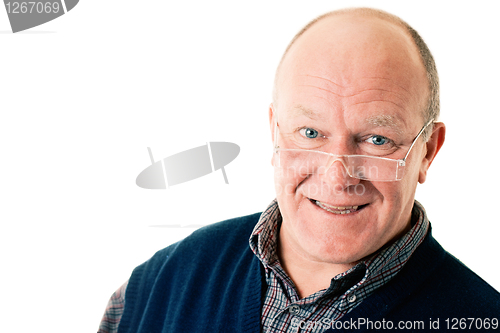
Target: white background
x=82, y=97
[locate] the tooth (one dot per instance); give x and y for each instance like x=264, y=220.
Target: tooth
x=336, y=209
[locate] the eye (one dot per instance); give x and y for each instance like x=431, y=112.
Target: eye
x=378, y=140
x=309, y=132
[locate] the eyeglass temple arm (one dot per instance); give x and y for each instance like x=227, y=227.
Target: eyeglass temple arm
x=416, y=138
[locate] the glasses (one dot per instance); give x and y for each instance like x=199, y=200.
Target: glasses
x=372, y=168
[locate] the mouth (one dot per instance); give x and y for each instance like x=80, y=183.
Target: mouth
x=339, y=210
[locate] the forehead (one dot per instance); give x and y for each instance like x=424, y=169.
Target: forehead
x=361, y=66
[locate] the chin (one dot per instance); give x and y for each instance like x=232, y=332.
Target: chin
x=335, y=250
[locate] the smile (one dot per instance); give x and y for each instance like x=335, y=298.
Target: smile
x=337, y=209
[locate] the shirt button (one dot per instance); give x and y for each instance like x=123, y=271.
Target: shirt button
x=294, y=309
x=351, y=298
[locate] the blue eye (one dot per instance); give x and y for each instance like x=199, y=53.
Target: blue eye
x=309, y=133
x=378, y=140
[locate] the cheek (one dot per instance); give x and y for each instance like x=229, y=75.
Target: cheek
x=287, y=193
x=391, y=206
x=395, y=210
x=286, y=182
x=392, y=194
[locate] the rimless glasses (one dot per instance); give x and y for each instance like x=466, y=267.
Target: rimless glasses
x=366, y=167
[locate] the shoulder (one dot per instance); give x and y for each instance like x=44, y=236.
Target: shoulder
x=211, y=240
x=222, y=242
x=445, y=287
x=210, y=266
x=215, y=247
x=458, y=285
x=432, y=285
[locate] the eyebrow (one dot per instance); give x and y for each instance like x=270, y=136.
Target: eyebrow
x=301, y=110
x=386, y=121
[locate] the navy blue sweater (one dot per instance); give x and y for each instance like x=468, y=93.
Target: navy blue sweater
x=212, y=282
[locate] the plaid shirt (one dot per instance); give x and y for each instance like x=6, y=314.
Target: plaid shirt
x=114, y=311
x=283, y=310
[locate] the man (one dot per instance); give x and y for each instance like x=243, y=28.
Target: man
x=345, y=246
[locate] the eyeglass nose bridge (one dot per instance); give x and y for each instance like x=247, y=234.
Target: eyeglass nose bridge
x=331, y=159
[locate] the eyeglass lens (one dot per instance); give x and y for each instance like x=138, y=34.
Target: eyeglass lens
x=306, y=162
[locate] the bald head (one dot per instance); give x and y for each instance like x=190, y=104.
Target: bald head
x=353, y=41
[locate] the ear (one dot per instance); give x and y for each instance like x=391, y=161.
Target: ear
x=272, y=121
x=433, y=146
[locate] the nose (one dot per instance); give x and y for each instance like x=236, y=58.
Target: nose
x=336, y=173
